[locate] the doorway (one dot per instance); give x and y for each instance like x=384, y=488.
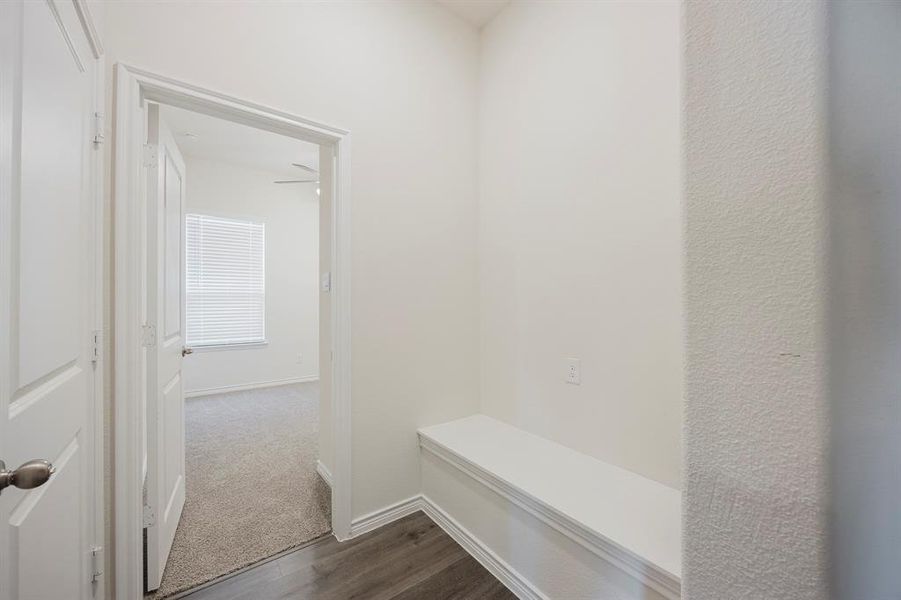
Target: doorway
x=233, y=375
x=261, y=407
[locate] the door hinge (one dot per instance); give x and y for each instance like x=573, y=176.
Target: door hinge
x=150, y=156
x=96, y=563
x=98, y=128
x=96, y=344
x=148, y=336
x=148, y=519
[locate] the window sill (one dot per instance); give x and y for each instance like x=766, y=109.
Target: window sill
x=221, y=347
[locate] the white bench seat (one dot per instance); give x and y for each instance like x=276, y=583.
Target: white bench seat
x=628, y=518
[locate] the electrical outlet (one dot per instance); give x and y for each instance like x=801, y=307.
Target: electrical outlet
x=573, y=371
x=299, y=358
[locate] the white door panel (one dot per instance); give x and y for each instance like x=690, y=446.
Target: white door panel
x=30, y=524
x=174, y=218
x=173, y=457
x=54, y=105
x=46, y=311
x=165, y=393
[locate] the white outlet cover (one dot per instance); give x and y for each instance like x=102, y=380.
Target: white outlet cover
x=573, y=371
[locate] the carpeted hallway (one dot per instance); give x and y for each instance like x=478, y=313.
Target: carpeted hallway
x=252, y=486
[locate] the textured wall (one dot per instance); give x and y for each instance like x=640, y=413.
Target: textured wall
x=756, y=414
x=865, y=293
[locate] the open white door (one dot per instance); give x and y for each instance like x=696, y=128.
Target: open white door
x=48, y=302
x=165, y=484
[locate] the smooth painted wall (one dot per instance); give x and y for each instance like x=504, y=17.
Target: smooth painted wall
x=580, y=227
x=402, y=77
x=756, y=416
x=865, y=297
x=290, y=214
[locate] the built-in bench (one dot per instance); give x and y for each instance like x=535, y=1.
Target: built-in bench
x=624, y=518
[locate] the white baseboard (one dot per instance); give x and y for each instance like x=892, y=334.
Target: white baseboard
x=324, y=472
x=506, y=574
x=495, y=565
x=249, y=386
x=383, y=516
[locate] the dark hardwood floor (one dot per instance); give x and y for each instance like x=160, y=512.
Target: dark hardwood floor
x=409, y=559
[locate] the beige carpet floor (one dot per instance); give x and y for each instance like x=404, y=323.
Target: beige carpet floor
x=252, y=489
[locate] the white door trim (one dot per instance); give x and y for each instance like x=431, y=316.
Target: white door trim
x=133, y=87
x=101, y=555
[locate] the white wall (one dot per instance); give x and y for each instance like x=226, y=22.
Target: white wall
x=580, y=227
x=291, y=216
x=401, y=76
x=756, y=415
x=865, y=297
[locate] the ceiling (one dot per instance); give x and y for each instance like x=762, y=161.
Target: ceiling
x=224, y=141
x=476, y=12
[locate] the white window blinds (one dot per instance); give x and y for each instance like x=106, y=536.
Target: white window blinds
x=226, y=283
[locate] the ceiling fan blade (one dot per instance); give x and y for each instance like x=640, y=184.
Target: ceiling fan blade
x=304, y=167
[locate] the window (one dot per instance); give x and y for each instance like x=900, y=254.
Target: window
x=226, y=285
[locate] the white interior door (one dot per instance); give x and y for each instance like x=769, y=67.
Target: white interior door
x=166, y=320
x=48, y=301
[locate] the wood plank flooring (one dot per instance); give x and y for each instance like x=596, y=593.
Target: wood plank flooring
x=409, y=559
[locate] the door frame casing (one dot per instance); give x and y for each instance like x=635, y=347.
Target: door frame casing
x=133, y=88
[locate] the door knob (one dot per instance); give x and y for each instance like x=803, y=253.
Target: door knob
x=32, y=474
x=186, y=351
